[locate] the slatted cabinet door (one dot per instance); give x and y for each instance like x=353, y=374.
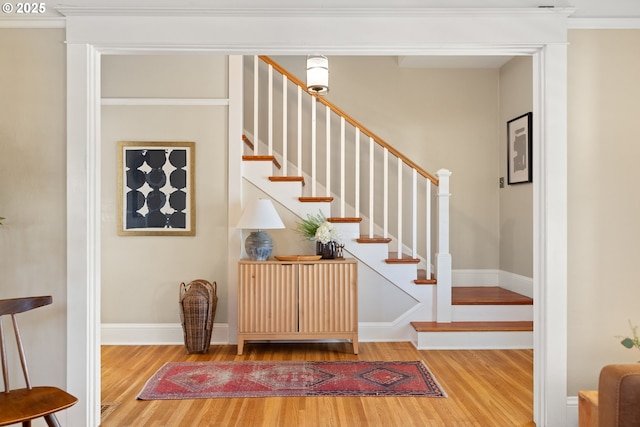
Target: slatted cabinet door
x=328, y=298
x=267, y=298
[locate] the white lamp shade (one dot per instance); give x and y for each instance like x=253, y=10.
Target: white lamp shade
x=318, y=74
x=260, y=214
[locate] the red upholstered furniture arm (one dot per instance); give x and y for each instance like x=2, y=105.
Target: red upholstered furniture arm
x=619, y=396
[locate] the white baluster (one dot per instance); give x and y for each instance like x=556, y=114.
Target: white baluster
x=270, y=111
x=313, y=146
x=356, y=203
x=414, y=213
x=299, y=165
x=342, y=168
x=399, y=208
x=371, y=186
x=428, y=184
x=385, y=204
x=328, y=161
x=256, y=70
x=285, y=127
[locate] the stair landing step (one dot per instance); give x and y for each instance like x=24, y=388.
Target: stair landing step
x=487, y=295
x=473, y=326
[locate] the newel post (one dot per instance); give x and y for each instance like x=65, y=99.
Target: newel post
x=443, y=257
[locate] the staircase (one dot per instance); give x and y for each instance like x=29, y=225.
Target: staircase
x=377, y=210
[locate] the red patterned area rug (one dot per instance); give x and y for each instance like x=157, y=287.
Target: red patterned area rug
x=198, y=380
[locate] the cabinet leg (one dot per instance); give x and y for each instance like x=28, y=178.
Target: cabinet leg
x=355, y=345
x=240, y=346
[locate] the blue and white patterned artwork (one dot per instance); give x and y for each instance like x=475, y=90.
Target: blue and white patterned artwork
x=156, y=188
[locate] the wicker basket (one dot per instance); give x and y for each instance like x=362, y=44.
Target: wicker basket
x=198, y=301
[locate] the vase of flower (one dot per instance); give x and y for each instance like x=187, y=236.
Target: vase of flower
x=327, y=250
x=326, y=235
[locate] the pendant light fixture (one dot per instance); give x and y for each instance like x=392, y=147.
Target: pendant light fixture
x=318, y=74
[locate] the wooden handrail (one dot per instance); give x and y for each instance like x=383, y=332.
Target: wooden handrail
x=351, y=120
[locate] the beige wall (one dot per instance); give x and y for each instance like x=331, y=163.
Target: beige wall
x=604, y=202
x=33, y=192
x=439, y=119
x=516, y=201
x=141, y=274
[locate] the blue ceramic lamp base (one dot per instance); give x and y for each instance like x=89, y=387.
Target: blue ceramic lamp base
x=258, y=246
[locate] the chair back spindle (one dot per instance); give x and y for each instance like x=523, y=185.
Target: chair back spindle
x=12, y=307
x=23, y=359
x=3, y=357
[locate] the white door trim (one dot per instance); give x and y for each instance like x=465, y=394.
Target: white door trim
x=540, y=34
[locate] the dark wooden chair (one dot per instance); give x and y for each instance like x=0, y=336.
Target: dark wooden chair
x=25, y=404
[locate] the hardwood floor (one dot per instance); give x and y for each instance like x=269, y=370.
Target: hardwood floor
x=488, y=388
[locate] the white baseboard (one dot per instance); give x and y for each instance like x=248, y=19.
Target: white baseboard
x=572, y=411
x=469, y=277
x=154, y=334
x=488, y=277
x=171, y=333
x=516, y=283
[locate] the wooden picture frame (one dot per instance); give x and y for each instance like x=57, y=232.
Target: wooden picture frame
x=519, y=149
x=156, y=189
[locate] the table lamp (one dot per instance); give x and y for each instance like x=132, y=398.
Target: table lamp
x=259, y=215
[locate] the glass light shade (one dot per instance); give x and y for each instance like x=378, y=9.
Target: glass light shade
x=318, y=74
x=259, y=215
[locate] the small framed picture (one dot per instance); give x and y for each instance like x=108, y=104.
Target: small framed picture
x=156, y=189
x=519, y=150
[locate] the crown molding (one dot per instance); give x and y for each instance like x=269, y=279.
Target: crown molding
x=604, y=23
x=362, y=12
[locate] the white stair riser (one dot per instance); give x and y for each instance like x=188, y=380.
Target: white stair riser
x=491, y=313
x=485, y=340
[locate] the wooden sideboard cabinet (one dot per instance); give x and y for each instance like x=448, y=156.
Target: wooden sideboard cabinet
x=298, y=300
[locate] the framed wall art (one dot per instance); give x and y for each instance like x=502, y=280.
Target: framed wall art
x=519, y=149
x=156, y=188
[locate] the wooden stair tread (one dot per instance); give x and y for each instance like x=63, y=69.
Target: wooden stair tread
x=315, y=199
x=504, y=326
x=257, y=158
x=261, y=158
x=486, y=295
x=287, y=179
x=423, y=280
x=344, y=220
x=374, y=239
x=406, y=259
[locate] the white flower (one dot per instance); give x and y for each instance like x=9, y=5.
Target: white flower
x=328, y=232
